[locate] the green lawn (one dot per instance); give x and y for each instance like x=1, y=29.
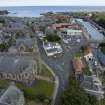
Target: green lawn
x=4, y=83
x=102, y=102
x=46, y=72
x=86, y=71
x=29, y=102
x=78, y=54
x=40, y=87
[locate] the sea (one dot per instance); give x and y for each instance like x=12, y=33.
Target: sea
x=35, y=11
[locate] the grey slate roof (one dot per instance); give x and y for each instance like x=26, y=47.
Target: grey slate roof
x=3, y=104
x=12, y=96
x=28, y=42
x=94, y=33
x=100, y=56
x=14, y=64
x=88, y=83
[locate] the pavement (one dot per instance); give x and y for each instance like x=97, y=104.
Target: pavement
x=61, y=65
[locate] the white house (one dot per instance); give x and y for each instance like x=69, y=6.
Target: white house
x=88, y=55
x=72, y=32
x=52, y=48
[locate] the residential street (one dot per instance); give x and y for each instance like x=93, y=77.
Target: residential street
x=61, y=65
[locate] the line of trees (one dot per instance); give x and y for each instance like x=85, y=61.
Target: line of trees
x=99, y=19
x=75, y=95
x=52, y=38
x=102, y=47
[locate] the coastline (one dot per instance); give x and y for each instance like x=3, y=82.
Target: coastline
x=35, y=11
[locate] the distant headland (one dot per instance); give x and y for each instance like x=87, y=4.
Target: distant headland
x=4, y=12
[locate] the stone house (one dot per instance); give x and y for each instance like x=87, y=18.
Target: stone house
x=18, y=68
x=22, y=45
x=12, y=96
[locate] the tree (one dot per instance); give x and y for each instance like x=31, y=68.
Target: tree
x=92, y=100
x=44, y=99
x=99, y=18
x=17, y=34
x=31, y=35
x=42, y=28
x=3, y=47
x=82, y=49
x=52, y=38
x=75, y=95
x=102, y=47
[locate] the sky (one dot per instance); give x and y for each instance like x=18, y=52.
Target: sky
x=52, y=2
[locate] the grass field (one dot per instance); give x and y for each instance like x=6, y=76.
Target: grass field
x=46, y=72
x=40, y=87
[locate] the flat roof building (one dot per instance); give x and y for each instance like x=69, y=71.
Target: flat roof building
x=52, y=48
x=71, y=31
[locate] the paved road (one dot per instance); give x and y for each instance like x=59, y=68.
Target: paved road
x=61, y=65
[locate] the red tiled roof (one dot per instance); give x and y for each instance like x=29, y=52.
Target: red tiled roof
x=87, y=50
x=66, y=25
x=78, y=64
x=58, y=16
